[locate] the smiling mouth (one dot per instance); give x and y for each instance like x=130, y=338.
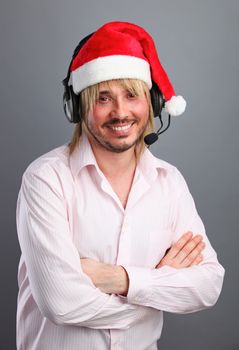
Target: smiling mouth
x=124, y=127
x=121, y=128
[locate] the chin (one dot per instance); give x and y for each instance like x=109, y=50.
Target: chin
x=119, y=147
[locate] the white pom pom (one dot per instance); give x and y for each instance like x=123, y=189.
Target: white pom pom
x=175, y=106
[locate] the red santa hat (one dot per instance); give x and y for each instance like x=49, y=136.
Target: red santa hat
x=121, y=50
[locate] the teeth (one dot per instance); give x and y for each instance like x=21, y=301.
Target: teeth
x=120, y=128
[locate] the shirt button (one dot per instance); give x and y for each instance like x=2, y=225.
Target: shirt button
x=125, y=225
x=115, y=344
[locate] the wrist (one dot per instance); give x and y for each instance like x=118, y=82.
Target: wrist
x=122, y=280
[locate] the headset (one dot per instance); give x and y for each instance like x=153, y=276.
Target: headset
x=72, y=105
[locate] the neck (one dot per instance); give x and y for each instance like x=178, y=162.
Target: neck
x=114, y=164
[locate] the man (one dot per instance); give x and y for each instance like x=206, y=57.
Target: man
x=110, y=235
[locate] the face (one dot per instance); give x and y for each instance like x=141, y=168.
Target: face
x=118, y=119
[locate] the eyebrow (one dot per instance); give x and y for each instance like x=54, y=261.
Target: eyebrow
x=105, y=92
x=109, y=92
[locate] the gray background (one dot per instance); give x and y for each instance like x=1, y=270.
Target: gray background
x=198, y=45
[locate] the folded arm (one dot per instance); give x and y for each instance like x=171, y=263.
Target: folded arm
x=183, y=281
x=113, y=279
x=62, y=291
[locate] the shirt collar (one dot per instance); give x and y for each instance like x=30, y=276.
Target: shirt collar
x=83, y=156
x=150, y=166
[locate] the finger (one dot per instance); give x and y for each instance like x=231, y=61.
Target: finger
x=188, y=248
x=198, y=260
x=176, y=247
x=193, y=255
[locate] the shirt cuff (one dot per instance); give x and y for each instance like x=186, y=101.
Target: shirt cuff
x=140, y=284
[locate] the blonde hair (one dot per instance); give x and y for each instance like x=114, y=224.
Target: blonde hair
x=90, y=95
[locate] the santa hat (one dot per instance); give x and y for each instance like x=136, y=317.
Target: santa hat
x=123, y=50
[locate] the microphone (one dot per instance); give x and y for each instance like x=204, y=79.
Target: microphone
x=153, y=137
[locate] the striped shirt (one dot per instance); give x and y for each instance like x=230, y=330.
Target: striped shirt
x=67, y=210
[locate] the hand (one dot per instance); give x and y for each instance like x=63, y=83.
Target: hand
x=185, y=252
x=110, y=279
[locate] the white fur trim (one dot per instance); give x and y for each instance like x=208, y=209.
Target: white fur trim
x=175, y=106
x=108, y=68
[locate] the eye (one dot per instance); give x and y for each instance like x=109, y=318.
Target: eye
x=103, y=99
x=132, y=95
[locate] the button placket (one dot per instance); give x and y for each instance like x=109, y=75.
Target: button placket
x=124, y=243
x=115, y=339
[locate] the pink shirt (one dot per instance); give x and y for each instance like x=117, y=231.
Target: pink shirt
x=66, y=210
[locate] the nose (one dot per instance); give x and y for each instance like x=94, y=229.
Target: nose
x=119, y=109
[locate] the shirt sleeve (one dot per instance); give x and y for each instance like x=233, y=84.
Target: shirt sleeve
x=63, y=293
x=179, y=290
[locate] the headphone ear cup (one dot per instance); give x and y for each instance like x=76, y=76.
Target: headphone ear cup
x=67, y=104
x=157, y=100
x=76, y=111
x=71, y=105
